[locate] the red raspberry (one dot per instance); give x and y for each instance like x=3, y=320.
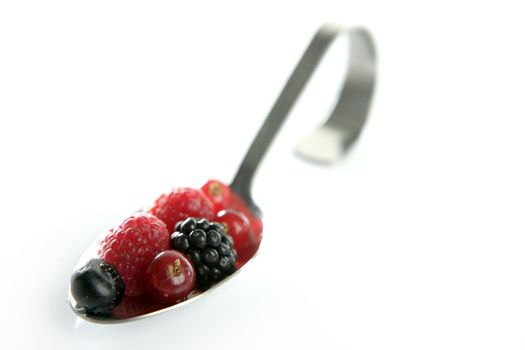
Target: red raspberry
x=180, y=204
x=219, y=193
x=131, y=247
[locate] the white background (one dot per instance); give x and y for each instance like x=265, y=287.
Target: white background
x=415, y=241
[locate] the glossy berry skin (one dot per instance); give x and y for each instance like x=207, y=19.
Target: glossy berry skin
x=255, y=222
x=238, y=227
x=170, y=277
x=197, y=239
x=180, y=203
x=219, y=193
x=131, y=247
x=97, y=287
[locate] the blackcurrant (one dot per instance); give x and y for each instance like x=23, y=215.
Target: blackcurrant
x=97, y=287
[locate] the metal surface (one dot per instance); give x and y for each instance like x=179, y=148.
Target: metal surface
x=331, y=141
x=328, y=144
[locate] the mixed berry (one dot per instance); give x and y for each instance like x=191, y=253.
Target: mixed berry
x=186, y=242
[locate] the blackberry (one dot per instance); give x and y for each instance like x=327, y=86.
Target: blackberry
x=97, y=287
x=209, y=248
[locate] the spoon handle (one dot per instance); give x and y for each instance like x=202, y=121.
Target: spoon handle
x=332, y=140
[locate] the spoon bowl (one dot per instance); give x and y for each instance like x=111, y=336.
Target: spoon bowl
x=134, y=308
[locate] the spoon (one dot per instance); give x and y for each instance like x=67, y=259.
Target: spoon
x=326, y=145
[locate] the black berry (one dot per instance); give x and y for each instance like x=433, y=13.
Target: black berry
x=209, y=248
x=97, y=287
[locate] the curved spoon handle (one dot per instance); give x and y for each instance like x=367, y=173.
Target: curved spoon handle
x=331, y=141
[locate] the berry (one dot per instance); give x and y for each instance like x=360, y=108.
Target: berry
x=257, y=228
x=188, y=225
x=180, y=240
x=219, y=194
x=170, y=277
x=97, y=287
x=215, y=274
x=224, y=249
x=210, y=256
x=131, y=247
x=197, y=239
x=181, y=203
x=238, y=228
x=195, y=256
x=217, y=227
x=255, y=222
x=203, y=271
x=213, y=238
x=203, y=224
x=224, y=263
x=210, y=250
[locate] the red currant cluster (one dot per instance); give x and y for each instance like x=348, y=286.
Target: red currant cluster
x=188, y=240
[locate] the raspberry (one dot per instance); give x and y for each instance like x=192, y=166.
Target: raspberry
x=131, y=247
x=219, y=193
x=181, y=203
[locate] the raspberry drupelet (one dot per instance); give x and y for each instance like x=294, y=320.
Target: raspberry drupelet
x=180, y=203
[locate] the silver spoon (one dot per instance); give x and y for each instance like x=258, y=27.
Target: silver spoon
x=327, y=144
